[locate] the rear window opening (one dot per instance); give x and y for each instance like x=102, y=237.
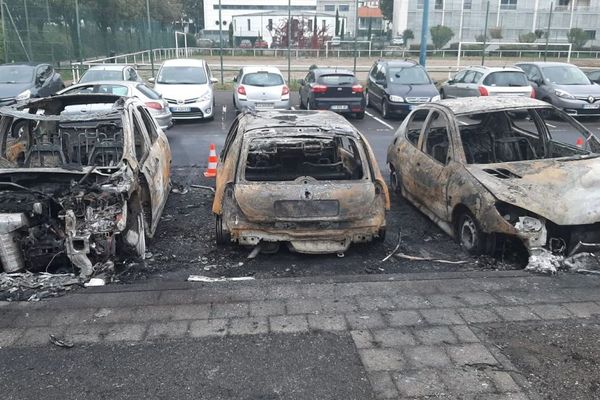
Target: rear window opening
x=337, y=80
x=262, y=79
x=288, y=158
x=506, y=78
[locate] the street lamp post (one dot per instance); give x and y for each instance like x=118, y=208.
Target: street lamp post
x=289, y=39
x=356, y=33
x=150, y=36
x=3, y=31
x=221, y=41
x=424, y=29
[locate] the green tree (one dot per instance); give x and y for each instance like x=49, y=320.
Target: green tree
x=407, y=35
x=530, y=37
x=577, y=37
x=230, y=33
x=343, y=29
x=337, y=22
x=440, y=36
x=387, y=9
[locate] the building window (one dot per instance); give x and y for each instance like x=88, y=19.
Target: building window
x=583, y=3
x=344, y=8
x=329, y=7
x=467, y=4
x=419, y=4
x=563, y=3
x=323, y=25
x=508, y=4
x=591, y=34
x=249, y=24
x=270, y=24
x=439, y=4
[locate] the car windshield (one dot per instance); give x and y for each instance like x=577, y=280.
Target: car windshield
x=566, y=75
x=415, y=75
x=181, y=76
x=339, y=79
x=262, y=79
x=93, y=75
x=506, y=78
x=16, y=74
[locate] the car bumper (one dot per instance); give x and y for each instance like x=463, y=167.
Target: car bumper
x=341, y=105
x=263, y=104
x=577, y=107
x=198, y=110
x=164, y=119
x=401, y=108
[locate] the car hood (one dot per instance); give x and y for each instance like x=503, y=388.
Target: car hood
x=9, y=90
x=182, y=92
x=412, y=90
x=566, y=192
x=580, y=90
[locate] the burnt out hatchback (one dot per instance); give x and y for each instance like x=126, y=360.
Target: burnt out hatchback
x=308, y=179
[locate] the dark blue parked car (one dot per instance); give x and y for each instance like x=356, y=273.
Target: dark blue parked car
x=23, y=81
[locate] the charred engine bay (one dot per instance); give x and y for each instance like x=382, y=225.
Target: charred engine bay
x=185, y=244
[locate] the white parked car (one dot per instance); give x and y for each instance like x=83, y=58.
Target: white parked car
x=110, y=72
x=157, y=106
x=260, y=88
x=187, y=85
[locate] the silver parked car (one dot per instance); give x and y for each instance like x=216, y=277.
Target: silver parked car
x=564, y=86
x=157, y=106
x=487, y=81
x=260, y=88
x=110, y=72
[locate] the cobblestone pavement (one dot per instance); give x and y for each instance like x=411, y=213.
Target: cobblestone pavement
x=418, y=335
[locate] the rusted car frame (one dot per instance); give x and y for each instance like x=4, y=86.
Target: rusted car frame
x=305, y=178
x=81, y=178
x=489, y=169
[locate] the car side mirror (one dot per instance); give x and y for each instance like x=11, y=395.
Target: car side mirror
x=151, y=80
x=302, y=82
x=214, y=80
x=450, y=82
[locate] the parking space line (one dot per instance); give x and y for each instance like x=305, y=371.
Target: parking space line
x=379, y=120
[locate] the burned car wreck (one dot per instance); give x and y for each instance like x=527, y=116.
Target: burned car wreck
x=502, y=168
x=305, y=178
x=82, y=177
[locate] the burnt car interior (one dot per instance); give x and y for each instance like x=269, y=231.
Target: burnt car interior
x=288, y=158
x=506, y=136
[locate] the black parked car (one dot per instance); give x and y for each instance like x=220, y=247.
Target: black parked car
x=22, y=81
x=396, y=87
x=332, y=89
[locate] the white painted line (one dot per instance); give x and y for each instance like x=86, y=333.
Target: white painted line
x=379, y=120
x=550, y=125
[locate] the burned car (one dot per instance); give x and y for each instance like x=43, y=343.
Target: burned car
x=305, y=178
x=501, y=168
x=82, y=177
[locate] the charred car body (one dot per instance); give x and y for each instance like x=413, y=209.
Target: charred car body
x=501, y=167
x=307, y=178
x=77, y=185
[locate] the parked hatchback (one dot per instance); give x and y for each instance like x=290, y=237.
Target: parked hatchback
x=564, y=86
x=332, y=89
x=110, y=72
x=20, y=82
x=487, y=81
x=187, y=85
x=260, y=88
x=396, y=87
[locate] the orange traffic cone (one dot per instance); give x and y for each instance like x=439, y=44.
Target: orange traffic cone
x=211, y=170
x=579, y=142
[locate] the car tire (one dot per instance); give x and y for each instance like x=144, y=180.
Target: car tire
x=442, y=94
x=367, y=101
x=136, y=228
x=469, y=234
x=360, y=115
x=385, y=113
x=395, y=181
x=222, y=235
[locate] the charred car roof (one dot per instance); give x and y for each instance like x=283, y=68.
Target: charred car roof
x=469, y=105
x=325, y=121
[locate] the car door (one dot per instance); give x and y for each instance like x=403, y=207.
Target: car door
x=407, y=150
x=432, y=165
x=462, y=87
x=375, y=90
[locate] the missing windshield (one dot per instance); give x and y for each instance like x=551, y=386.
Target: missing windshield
x=288, y=158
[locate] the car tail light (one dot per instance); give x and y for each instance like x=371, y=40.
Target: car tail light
x=357, y=89
x=154, y=105
x=483, y=91
x=532, y=93
x=319, y=89
x=285, y=90
x=241, y=90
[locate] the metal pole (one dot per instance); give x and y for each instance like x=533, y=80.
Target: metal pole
x=80, y=50
x=462, y=18
x=487, y=14
x=3, y=31
x=51, y=43
x=548, y=32
x=424, y=29
x=355, y=33
x=221, y=41
x=150, y=35
x=27, y=27
x=289, y=41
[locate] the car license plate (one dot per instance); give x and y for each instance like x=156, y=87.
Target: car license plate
x=591, y=106
x=263, y=105
x=181, y=109
x=340, y=107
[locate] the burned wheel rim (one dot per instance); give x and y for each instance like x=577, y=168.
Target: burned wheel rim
x=469, y=233
x=221, y=233
x=394, y=183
